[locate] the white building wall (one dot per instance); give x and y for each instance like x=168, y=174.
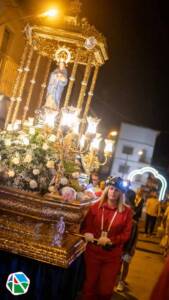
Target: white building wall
x=137, y=139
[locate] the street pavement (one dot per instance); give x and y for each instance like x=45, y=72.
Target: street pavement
x=144, y=270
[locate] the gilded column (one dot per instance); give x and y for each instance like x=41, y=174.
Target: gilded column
x=32, y=81
x=85, y=81
x=90, y=93
x=72, y=79
x=17, y=82
x=43, y=85
x=19, y=98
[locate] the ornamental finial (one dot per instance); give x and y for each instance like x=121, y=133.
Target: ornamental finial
x=75, y=7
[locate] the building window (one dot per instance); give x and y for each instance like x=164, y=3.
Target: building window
x=127, y=150
x=123, y=169
x=6, y=40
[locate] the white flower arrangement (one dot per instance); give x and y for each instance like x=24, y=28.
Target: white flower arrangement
x=52, y=189
x=32, y=131
x=11, y=173
x=7, y=142
x=45, y=146
x=28, y=158
x=68, y=193
x=16, y=160
x=52, y=138
x=34, y=146
x=36, y=171
x=50, y=164
x=25, y=140
x=75, y=175
x=24, y=163
x=64, y=181
x=33, y=184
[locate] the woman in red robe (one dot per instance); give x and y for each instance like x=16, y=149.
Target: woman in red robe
x=107, y=227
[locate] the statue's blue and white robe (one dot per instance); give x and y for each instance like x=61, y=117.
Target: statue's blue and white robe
x=55, y=88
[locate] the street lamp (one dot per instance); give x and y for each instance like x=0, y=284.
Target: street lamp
x=141, y=156
x=113, y=133
x=53, y=12
x=50, y=13
x=140, y=152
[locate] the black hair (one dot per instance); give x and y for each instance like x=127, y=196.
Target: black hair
x=130, y=198
x=94, y=173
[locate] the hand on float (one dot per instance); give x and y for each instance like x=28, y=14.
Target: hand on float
x=102, y=241
x=89, y=237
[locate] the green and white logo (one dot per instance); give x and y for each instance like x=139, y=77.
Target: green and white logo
x=18, y=283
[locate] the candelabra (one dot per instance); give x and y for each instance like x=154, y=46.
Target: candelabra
x=74, y=138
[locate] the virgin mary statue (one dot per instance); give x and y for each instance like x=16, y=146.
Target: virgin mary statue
x=57, y=81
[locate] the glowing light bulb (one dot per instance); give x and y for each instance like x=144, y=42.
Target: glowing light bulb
x=92, y=125
x=76, y=125
x=108, y=146
x=30, y=120
x=95, y=143
x=9, y=127
x=113, y=133
x=82, y=141
x=70, y=117
x=53, y=12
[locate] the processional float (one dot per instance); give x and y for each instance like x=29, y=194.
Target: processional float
x=46, y=159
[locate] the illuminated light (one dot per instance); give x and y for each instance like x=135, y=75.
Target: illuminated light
x=140, y=152
x=17, y=125
x=108, y=146
x=92, y=125
x=26, y=123
x=31, y=120
x=76, y=125
x=82, y=141
x=125, y=183
x=113, y=133
x=95, y=143
x=50, y=120
x=156, y=175
x=69, y=117
x=9, y=127
x=53, y=12
x=18, y=122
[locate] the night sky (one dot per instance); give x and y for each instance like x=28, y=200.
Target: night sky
x=133, y=86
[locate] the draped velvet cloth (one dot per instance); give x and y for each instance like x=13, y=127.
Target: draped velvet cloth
x=47, y=282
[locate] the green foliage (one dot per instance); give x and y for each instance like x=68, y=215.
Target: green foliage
x=70, y=167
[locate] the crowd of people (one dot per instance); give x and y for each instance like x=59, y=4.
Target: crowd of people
x=110, y=229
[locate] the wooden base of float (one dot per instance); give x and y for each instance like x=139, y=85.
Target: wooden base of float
x=28, y=226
